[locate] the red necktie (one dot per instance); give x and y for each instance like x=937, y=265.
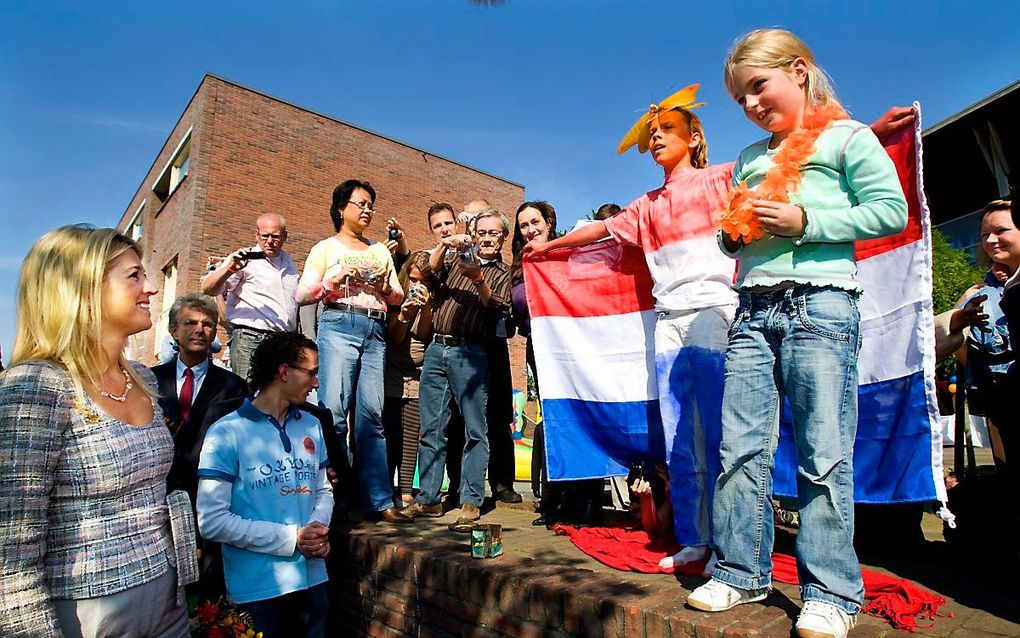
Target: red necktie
x=187, y=390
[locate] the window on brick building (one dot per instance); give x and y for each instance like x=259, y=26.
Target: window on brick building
x=134, y=227
x=175, y=170
x=169, y=294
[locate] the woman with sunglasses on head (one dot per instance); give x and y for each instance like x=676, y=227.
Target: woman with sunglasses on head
x=354, y=277
x=85, y=533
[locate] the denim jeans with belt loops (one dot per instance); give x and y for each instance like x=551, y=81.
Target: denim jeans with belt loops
x=802, y=343
x=352, y=357
x=459, y=373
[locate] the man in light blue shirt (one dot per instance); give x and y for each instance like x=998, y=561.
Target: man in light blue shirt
x=263, y=494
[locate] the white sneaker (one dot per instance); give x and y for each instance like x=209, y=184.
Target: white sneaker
x=718, y=596
x=822, y=620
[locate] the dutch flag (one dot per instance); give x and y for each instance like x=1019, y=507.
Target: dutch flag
x=593, y=321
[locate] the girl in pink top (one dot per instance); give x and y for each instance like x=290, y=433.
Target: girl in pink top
x=692, y=279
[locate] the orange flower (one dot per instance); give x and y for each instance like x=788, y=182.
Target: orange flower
x=788, y=173
x=737, y=219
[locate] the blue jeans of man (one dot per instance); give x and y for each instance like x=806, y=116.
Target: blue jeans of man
x=352, y=357
x=459, y=373
x=299, y=613
x=803, y=343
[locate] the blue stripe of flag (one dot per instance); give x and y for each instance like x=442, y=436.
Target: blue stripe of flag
x=892, y=452
x=592, y=439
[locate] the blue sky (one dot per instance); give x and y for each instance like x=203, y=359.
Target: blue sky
x=536, y=91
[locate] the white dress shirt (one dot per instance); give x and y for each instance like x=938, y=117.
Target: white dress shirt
x=199, y=371
x=261, y=295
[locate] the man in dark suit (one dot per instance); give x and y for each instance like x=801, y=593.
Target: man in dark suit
x=194, y=393
x=190, y=384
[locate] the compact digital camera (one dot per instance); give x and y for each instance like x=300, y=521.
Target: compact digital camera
x=366, y=275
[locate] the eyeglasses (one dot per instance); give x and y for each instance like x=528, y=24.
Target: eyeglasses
x=495, y=234
x=365, y=206
x=313, y=372
x=270, y=236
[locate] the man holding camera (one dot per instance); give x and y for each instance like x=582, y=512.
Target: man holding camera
x=258, y=284
x=469, y=299
x=499, y=405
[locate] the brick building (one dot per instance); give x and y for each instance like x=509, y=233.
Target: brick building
x=236, y=153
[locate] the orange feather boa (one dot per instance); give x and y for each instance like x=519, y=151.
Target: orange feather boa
x=737, y=218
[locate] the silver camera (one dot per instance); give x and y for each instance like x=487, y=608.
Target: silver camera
x=366, y=275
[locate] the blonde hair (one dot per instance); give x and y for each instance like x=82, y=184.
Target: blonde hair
x=777, y=49
x=699, y=158
x=996, y=205
x=60, y=288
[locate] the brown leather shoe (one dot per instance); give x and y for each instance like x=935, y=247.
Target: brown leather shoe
x=416, y=510
x=395, y=516
x=466, y=519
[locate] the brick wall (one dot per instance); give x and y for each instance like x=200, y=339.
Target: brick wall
x=387, y=590
x=168, y=225
x=251, y=154
x=393, y=585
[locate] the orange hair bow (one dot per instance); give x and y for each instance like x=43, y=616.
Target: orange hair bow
x=638, y=134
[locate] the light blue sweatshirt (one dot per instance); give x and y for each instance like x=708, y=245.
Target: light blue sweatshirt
x=849, y=190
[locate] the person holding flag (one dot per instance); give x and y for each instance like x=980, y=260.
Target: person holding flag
x=675, y=228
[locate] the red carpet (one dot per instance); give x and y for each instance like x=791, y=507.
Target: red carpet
x=896, y=600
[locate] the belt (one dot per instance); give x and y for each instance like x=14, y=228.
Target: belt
x=450, y=340
x=263, y=331
x=357, y=310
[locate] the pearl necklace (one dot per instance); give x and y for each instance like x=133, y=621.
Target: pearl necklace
x=119, y=397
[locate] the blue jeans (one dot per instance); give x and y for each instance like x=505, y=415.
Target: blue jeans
x=352, y=357
x=802, y=343
x=459, y=373
x=299, y=613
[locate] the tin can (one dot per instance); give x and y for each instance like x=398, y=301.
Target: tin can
x=487, y=541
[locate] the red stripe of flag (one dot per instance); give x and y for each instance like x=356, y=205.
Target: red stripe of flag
x=595, y=281
x=901, y=148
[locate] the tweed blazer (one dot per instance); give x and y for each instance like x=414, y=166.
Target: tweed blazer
x=83, y=498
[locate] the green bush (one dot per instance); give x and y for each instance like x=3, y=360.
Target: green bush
x=952, y=272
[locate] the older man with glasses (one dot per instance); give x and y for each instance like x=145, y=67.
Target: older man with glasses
x=470, y=296
x=499, y=405
x=259, y=283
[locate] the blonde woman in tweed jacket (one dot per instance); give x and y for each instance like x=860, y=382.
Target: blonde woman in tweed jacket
x=85, y=536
